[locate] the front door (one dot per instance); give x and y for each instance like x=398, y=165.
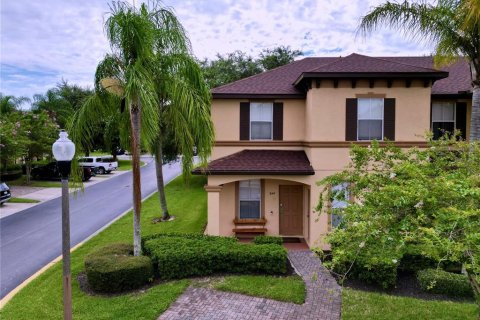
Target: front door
x=291, y=210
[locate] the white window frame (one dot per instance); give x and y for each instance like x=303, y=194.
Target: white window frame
x=343, y=186
x=259, y=199
x=383, y=119
x=454, y=114
x=271, y=121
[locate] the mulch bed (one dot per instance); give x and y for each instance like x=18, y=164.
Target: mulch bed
x=407, y=286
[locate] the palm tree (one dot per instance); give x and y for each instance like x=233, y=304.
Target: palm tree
x=11, y=103
x=452, y=26
x=184, y=100
x=128, y=73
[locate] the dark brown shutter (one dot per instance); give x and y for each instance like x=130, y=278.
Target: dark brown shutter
x=389, y=119
x=351, y=120
x=461, y=119
x=278, y=121
x=244, y=120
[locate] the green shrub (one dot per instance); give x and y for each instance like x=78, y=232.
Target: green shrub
x=416, y=262
x=176, y=256
x=268, y=240
x=114, y=269
x=10, y=176
x=439, y=281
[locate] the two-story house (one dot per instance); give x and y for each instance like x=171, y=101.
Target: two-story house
x=280, y=132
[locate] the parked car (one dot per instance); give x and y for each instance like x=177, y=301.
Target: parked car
x=5, y=194
x=102, y=165
x=50, y=172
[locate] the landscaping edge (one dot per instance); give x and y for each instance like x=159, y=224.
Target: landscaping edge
x=12, y=293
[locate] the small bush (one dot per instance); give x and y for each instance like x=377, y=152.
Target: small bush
x=10, y=176
x=442, y=282
x=268, y=240
x=176, y=256
x=114, y=269
x=416, y=262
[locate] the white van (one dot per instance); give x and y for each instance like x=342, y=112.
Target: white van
x=102, y=165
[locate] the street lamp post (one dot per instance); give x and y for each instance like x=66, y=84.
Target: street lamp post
x=63, y=150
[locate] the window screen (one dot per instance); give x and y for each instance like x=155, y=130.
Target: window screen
x=370, y=119
x=261, y=120
x=249, y=196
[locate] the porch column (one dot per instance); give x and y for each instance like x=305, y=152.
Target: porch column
x=213, y=226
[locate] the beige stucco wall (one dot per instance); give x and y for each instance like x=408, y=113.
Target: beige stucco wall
x=315, y=224
x=325, y=112
x=226, y=115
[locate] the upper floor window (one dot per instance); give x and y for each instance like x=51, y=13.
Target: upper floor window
x=261, y=121
x=249, y=197
x=443, y=118
x=370, y=119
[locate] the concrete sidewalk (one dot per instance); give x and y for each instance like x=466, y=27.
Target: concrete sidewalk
x=45, y=194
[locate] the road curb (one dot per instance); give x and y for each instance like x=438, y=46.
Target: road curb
x=12, y=293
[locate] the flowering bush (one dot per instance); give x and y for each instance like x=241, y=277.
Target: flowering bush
x=423, y=201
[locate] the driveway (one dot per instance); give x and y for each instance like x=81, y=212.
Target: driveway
x=30, y=239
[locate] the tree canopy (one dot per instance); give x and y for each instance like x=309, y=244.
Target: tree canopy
x=238, y=65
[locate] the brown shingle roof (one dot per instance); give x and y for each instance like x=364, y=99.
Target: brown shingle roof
x=271, y=162
x=279, y=81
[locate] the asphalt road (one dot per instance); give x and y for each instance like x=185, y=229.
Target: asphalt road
x=30, y=239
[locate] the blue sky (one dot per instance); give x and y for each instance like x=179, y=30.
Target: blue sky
x=45, y=41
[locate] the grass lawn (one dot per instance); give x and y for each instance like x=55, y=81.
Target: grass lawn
x=375, y=306
x=22, y=200
x=125, y=165
x=42, y=298
x=288, y=289
x=35, y=183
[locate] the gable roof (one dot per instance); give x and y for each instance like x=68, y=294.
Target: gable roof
x=270, y=162
x=280, y=82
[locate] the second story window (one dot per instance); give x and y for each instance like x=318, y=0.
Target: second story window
x=261, y=121
x=443, y=118
x=370, y=119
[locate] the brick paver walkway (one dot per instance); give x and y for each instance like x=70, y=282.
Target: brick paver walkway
x=322, y=301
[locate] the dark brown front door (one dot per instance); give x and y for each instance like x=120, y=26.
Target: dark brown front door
x=291, y=210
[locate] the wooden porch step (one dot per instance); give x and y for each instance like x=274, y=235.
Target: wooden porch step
x=261, y=222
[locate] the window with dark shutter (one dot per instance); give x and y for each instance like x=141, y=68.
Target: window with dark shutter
x=351, y=120
x=443, y=118
x=244, y=121
x=389, y=119
x=461, y=119
x=278, y=121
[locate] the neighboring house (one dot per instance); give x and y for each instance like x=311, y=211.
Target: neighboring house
x=280, y=132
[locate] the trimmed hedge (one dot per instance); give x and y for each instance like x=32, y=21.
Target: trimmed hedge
x=442, y=282
x=114, y=269
x=10, y=176
x=181, y=256
x=268, y=240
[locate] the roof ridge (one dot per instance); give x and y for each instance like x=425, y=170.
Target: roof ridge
x=402, y=63
x=337, y=59
x=376, y=58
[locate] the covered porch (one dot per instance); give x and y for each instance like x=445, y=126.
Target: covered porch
x=260, y=192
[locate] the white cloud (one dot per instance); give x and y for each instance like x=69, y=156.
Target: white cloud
x=45, y=41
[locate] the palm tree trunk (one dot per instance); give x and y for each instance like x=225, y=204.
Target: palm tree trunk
x=160, y=184
x=137, y=196
x=475, y=118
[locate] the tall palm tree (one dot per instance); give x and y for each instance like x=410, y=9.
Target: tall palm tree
x=184, y=100
x=11, y=103
x=128, y=72
x=452, y=26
